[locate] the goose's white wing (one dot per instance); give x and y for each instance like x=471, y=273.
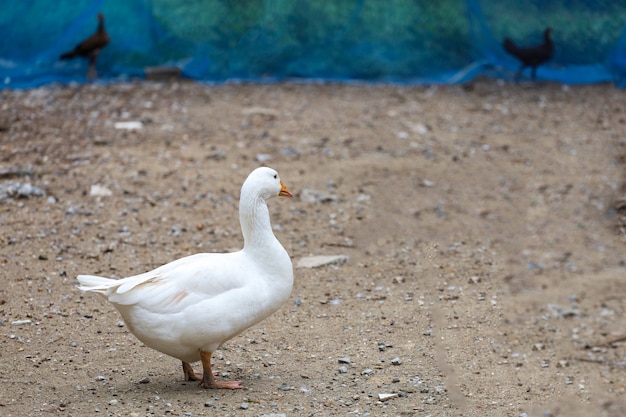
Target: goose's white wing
x=173, y=287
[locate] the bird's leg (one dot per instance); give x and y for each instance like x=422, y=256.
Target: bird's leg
x=92, y=74
x=518, y=74
x=190, y=374
x=208, y=380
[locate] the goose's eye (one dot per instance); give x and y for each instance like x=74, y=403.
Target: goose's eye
x=275, y=176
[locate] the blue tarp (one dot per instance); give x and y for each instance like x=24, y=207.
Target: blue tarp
x=405, y=41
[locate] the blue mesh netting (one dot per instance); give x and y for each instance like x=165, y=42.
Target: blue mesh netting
x=411, y=41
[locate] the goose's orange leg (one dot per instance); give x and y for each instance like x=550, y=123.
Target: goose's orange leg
x=208, y=380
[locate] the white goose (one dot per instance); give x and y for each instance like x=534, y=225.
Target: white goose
x=189, y=307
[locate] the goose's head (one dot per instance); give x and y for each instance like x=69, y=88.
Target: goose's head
x=265, y=183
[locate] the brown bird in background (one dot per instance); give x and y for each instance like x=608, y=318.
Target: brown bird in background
x=531, y=56
x=91, y=47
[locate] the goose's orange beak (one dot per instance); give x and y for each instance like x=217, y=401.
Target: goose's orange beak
x=284, y=192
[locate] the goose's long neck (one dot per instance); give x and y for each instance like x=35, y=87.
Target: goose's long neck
x=254, y=217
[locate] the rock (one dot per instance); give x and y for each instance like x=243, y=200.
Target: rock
x=133, y=125
x=308, y=195
x=475, y=279
x=343, y=369
x=15, y=189
x=563, y=363
x=263, y=157
x=386, y=397
x=270, y=113
x=398, y=279
x=28, y=190
x=562, y=312
x=344, y=360
x=98, y=190
x=20, y=322
x=321, y=260
x=396, y=361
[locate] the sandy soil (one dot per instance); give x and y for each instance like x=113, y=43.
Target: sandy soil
x=486, y=263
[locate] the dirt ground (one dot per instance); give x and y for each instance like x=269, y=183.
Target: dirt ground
x=486, y=265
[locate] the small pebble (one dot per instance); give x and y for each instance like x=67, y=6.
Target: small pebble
x=321, y=260
x=343, y=370
x=133, y=125
x=98, y=190
x=344, y=360
x=474, y=279
x=396, y=361
x=244, y=406
x=263, y=157
x=386, y=397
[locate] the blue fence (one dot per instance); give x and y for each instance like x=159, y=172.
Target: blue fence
x=405, y=41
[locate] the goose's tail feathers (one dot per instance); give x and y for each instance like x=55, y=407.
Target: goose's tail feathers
x=95, y=284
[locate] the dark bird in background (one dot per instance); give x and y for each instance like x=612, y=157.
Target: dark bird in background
x=531, y=56
x=91, y=47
